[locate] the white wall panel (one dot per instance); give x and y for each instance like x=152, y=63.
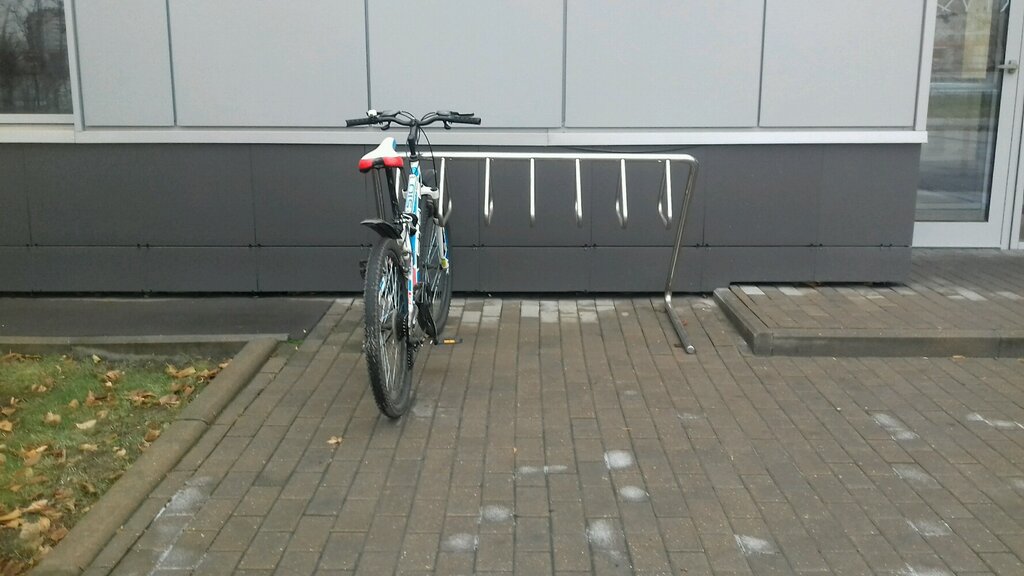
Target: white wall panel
x=661, y=63
x=125, y=63
x=836, y=63
x=501, y=59
x=269, y=62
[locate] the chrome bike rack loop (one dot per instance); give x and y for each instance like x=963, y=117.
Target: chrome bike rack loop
x=533, y=192
x=621, y=202
x=444, y=205
x=488, y=203
x=579, y=197
x=665, y=208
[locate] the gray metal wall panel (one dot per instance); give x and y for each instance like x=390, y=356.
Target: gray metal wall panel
x=555, y=205
x=540, y=269
x=643, y=269
x=465, y=186
x=125, y=63
x=465, y=269
x=724, y=266
x=195, y=195
x=200, y=269
x=644, y=182
x=272, y=63
x=833, y=63
x=16, y=262
x=310, y=269
x=861, y=264
x=652, y=63
x=502, y=60
x=864, y=195
x=87, y=269
x=762, y=196
x=310, y=196
x=14, y=217
x=85, y=195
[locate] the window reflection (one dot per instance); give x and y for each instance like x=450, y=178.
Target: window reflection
x=34, y=75
x=963, y=111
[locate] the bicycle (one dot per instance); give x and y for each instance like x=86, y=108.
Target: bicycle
x=418, y=223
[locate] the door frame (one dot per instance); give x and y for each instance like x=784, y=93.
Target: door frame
x=1002, y=230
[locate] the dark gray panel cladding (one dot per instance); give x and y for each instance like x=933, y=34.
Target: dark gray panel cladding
x=200, y=269
x=728, y=265
x=14, y=217
x=87, y=269
x=311, y=269
x=310, y=196
x=864, y=199
x=644, y=269
x=762, y=195
x=16, y=263
x=285, y=218
x=540, y=269
x=196, y=195
x=86, y=195
x=862, y=264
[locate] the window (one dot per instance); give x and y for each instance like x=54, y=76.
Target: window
x=34, y=74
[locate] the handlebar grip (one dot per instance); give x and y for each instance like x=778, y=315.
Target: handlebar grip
x=360, y=122
x=463, y=120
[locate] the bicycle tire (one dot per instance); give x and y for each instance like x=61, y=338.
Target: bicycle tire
x=389, y=356
x=437, y=280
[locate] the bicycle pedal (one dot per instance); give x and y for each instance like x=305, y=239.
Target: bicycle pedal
x=362, y=269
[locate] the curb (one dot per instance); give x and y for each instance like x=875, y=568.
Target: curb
x=87, y=539
x=127, y=347
x=840, y=342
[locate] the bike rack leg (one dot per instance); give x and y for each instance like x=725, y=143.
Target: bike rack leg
x=677, y=324
x=488, y=203
x=533, y=192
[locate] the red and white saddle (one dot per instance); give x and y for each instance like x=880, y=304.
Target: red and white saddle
x=384, y=156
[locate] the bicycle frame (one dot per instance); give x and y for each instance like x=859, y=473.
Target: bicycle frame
x=409, y=236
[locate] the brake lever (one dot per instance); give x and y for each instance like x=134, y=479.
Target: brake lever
x=386, y=126
x=447, y=125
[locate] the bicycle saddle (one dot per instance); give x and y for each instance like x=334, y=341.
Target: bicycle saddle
x=384, y=156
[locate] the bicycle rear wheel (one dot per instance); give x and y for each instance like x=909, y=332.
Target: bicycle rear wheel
x=386, y=344
x=435, y=271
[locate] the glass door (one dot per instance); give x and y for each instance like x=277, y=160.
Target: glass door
x=968, y=167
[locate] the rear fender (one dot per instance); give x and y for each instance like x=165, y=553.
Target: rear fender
x=383, y=228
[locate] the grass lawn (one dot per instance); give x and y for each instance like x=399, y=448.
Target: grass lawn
x=69, y=427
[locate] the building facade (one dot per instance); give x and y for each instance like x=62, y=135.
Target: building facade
x=190, y=146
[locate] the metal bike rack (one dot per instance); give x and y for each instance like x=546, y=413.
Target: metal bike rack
x=621, y=200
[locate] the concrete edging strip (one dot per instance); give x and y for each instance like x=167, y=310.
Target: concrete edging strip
x=87, y=539
x=750, y=327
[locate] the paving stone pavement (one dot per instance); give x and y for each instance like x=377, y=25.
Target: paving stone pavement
x=947, y=289
x=572, y=436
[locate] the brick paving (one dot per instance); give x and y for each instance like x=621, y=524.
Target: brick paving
x=947, y=289
x=573, y=437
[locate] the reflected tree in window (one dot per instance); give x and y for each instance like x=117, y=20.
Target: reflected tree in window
x=34, y=74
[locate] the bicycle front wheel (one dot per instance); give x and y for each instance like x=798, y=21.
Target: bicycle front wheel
x=386, y=344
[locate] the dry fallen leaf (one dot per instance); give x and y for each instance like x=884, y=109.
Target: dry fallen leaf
x=14, y=356
x=8, y=411
x=73, y=404
x=183, y=373
x=334, y=440
x=88, y=447
x=958, y=357
x=51, y=419
x=58, y=534
x=12, y=515
x=32, y=532
x=6, y=426
x=37, y=507
x=102, y=414
x=87, y=487
x=171, y=400
x=91, y=399
x=3, y=459
x=96, y=359
x=152, y=434
x=87, y=425
x=120, y=452
x=224, y=364
x=39, y=389
x=113, y=376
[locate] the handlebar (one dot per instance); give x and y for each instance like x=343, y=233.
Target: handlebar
x=406, y=119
